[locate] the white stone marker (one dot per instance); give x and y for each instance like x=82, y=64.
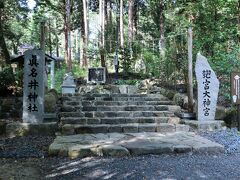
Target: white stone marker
x=208, y=87
x=33, y=97
x=68, y=85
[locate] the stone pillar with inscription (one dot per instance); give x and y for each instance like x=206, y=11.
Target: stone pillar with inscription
x=33, y=97
x=208, y=87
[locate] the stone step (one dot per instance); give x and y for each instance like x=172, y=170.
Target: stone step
x=117, y=103
x=70, y=129
x=113, y=114
x=120, y=144
x=130, y=108
x=69, y=108
x=113, y=98
x=111, y=95
x=71, y=114
x=79, y=120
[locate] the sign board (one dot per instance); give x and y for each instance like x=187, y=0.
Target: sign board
x=96, y=75
x=235, y=87
x=33, y=97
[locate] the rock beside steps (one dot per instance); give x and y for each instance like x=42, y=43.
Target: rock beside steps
x=121, y=113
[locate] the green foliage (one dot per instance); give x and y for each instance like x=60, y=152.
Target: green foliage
x=78, y=71
x=215, y=34
x=129, y=56
x=7, y=81
x=127, y=82
x=224, y=63
x=152, y=62
x=14, y=20
x=19, y=77
x=1, y=4
x=59, y=75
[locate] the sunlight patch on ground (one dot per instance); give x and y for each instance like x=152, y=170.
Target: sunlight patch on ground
x=79, y=165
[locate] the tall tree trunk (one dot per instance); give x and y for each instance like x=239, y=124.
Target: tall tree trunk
x=65, y=38
x=109, y=23
x=105, y=11
x=135, y=18
x=161, y=27
x=76, y=54
x=102, y=32
x=103, y=23
x=121, y=25
x=130, y=22
x=65, y=35
x=69, y=60
x=85, y=35
x=49, y=37
x=4, y=52
x=109, y=12
x=56, y=37
x=238, y=22
x=42, y=36
x=190, y=79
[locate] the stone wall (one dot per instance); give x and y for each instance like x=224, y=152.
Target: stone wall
x=107, y=89
x=229, y=114
x=11, y=107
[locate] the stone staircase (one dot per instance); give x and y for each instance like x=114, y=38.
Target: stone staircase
x=123, y=125
x=121, y=113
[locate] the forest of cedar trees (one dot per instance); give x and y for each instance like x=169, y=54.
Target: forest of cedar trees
x=92, y=33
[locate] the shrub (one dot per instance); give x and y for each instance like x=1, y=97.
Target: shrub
x=7, y=81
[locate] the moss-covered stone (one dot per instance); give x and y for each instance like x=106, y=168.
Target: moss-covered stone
x=179, y=99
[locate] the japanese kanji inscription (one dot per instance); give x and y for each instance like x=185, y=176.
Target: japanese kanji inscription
x=33, y=97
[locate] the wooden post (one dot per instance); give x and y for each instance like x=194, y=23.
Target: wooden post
x=190, y=78
x=52, y=74
x=238, y=116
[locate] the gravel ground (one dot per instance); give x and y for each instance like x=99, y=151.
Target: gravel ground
x=230, y=138
x=26, y=158
x=25, y=147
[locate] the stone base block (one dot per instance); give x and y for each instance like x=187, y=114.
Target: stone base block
x=205, y=125
x=23, y=129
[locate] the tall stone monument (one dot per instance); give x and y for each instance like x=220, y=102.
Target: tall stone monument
x=33, y=97
x=208, y=87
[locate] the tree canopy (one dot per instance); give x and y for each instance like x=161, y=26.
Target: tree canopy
x=94, y=33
